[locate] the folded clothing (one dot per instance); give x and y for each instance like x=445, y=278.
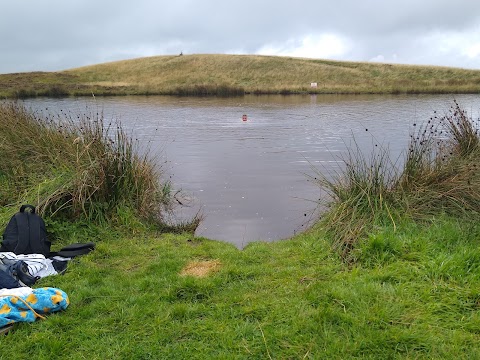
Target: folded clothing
x=37, y=264
x=7, y=281
x=20, y=291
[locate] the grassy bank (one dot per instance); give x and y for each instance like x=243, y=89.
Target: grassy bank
x=411, y=291
x=414, y=295
x=231, y=75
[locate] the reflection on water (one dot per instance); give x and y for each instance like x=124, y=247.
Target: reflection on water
x=250, y=178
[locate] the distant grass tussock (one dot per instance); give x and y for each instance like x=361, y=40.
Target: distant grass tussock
x=209, y=90
x=440, y=175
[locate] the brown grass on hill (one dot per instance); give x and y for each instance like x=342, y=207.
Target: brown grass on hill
x=229, y=75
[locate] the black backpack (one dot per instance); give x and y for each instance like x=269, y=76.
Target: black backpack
x=26, y=233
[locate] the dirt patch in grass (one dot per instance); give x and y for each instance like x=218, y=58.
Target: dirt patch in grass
x=201, y=268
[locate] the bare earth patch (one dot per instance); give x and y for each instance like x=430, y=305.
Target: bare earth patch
x=201, y=268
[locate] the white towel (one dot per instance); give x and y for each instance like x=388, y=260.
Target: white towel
x=21, y=291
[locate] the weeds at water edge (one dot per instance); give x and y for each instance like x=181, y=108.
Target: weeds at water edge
x=78, y=167
x=440, y=175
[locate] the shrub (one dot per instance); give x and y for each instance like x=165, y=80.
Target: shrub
x=222, y=90
x=55, y=91
x=24, y=93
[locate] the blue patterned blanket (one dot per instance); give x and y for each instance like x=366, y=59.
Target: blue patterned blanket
x=30, y=307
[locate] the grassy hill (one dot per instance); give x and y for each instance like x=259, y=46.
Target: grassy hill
x=228, y=75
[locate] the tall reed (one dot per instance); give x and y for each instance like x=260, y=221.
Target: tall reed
x=77, y=166
x=441, y=173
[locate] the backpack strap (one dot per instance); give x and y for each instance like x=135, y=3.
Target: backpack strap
x=23, y=243
x=35, y=234
x=28, y=227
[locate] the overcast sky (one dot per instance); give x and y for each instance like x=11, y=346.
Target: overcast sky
x=51, y=35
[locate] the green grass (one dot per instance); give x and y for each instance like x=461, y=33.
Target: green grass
x=413, y=294
x=413, y=290
x=231, y=75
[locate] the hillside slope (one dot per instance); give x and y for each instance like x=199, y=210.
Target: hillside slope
x=239, y=74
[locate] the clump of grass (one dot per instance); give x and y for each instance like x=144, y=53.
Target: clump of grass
x=78, y=167
x=439, y=175
x=55, y=90
x=358, y=197
x=464, y=137
x=441, y=172
x=24, y=93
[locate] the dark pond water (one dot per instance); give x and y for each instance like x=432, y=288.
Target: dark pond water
x=250, y=178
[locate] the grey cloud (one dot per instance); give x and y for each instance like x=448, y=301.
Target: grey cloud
x=58, y=34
